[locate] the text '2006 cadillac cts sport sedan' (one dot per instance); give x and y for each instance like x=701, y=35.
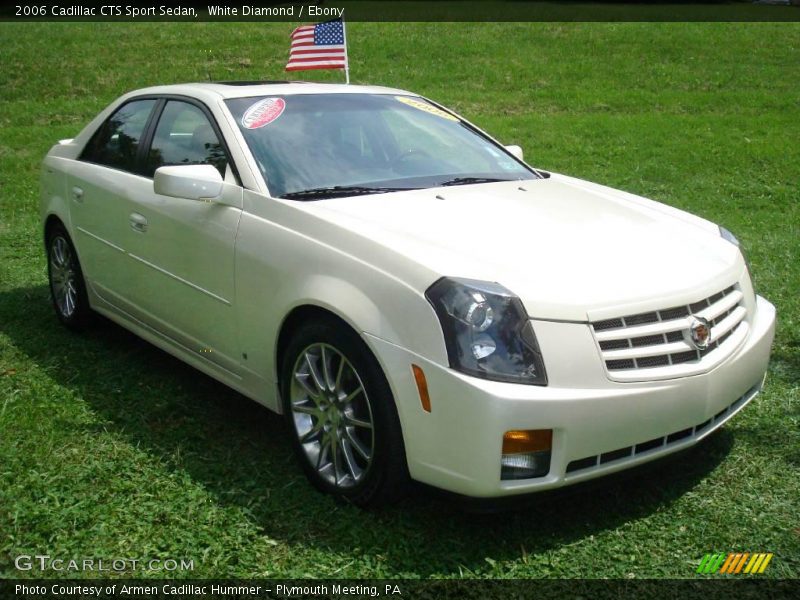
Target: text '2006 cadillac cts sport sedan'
x=416, y=300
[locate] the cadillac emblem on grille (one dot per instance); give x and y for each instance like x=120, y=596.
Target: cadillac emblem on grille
x=700, y=331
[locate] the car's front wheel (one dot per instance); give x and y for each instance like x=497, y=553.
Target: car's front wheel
x=67, y=287
x=341, y=415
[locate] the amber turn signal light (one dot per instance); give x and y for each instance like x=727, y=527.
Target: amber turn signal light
x=528, y=440
x=422, y=387
x=526, y=453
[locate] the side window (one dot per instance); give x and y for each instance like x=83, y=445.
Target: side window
x=116, y=143
x=184, y=136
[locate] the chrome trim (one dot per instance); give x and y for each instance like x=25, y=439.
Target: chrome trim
x=99, y=239
x=175, y=277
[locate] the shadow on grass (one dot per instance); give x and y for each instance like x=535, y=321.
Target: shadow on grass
x=786, y=359
x=240, y=452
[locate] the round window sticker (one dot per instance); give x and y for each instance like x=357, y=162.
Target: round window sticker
x=263, y=113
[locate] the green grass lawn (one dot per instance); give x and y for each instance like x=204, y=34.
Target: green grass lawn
x=110, y=448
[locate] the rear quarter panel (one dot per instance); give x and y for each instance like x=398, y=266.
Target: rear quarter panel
x=53, y=198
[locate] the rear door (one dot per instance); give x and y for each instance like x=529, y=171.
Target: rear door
x=101, y=185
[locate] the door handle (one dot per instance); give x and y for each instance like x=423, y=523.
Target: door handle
x=138, y=222
x=77, y=193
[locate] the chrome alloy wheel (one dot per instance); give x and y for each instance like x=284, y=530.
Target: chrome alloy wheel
x=63, y=277
x=332, y=415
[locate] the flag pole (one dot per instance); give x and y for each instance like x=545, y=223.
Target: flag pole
x=346, y=57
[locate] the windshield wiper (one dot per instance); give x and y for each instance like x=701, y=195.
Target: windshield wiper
x=341, y=190
x=469, y=180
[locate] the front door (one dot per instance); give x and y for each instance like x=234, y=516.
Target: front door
x=183, y=250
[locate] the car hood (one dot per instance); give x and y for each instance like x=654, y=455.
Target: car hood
x=570, y=249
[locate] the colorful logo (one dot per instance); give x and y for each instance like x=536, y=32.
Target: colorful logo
x=735, y=563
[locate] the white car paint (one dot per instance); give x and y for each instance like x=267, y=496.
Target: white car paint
x=212, y=283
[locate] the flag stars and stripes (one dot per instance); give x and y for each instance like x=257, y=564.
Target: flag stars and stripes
x=320, y=46
x=328, y=33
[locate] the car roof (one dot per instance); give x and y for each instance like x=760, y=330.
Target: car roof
x=246, y=89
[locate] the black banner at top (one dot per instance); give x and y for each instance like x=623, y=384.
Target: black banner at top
x=398, y=10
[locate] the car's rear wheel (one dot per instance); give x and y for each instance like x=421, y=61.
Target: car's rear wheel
x=341, y=415
x=67, y=287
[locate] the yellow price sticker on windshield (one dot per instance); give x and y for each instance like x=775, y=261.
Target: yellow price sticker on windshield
x=424, y=106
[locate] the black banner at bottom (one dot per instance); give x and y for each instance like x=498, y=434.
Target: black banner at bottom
x=511, y=589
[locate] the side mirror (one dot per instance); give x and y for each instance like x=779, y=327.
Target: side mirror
x=193, y=182
x=515, y=150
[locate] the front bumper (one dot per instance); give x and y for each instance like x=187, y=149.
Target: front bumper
x=599, y=426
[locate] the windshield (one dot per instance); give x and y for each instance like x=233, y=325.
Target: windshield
x=322, y=145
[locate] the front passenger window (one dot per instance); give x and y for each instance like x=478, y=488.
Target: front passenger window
x=184, y=136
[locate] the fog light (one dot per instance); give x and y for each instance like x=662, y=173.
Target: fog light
x=526, y=454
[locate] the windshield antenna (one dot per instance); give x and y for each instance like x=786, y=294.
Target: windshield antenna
x=208, y=64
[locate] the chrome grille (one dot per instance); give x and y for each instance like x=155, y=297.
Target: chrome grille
x=662, y=338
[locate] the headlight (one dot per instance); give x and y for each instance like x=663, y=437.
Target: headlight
x=487, y=331
x=728, y=236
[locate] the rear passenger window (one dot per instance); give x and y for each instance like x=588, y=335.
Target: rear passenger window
x=184, y=136
x=116, y=143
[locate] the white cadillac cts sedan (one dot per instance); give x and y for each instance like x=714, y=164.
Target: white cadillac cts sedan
x=413, y=297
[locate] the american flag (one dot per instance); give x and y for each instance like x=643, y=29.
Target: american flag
x=320, y=46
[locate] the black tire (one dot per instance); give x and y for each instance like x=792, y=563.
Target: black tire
x=64, y=269
x=384, y=479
